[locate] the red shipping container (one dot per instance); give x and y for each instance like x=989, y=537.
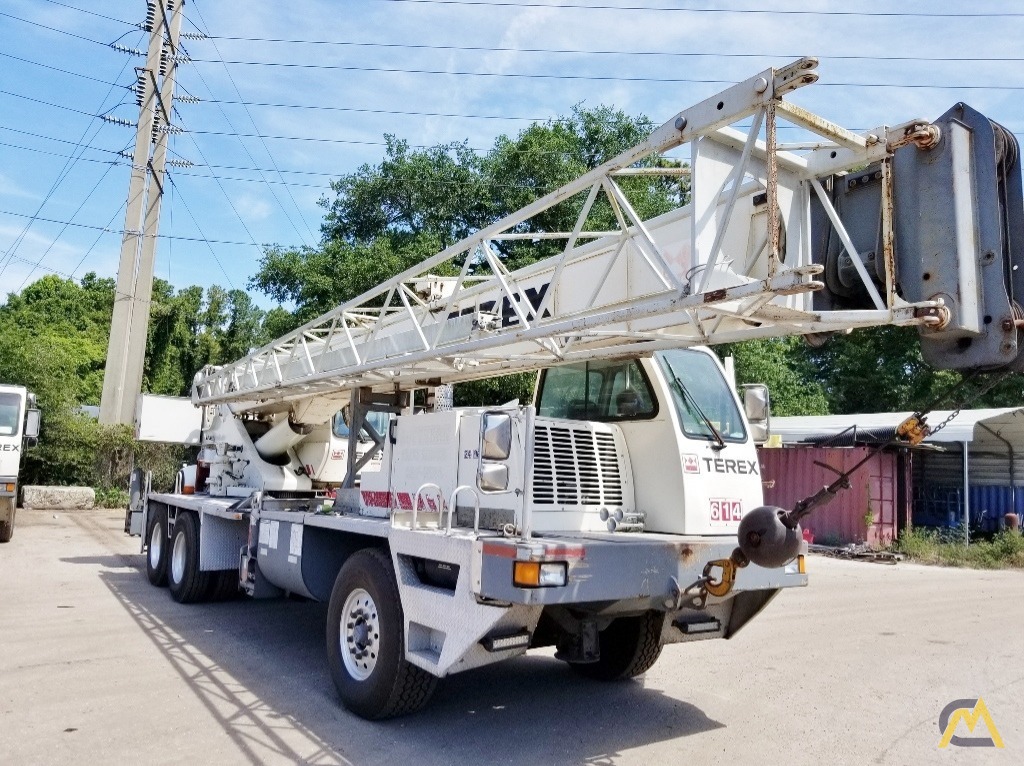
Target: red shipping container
x=872, y=511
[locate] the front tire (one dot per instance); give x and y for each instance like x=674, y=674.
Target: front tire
x=629, y=647
x=186, y=582
x=158, y=549
x=366, y=641
x=7, y=529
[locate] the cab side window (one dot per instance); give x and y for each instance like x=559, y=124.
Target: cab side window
x=601, y=391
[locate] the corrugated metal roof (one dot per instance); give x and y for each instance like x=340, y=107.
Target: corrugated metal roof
x=968, y=426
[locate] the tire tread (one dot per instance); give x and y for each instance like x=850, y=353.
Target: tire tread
x=195, y=584
x=629, y=647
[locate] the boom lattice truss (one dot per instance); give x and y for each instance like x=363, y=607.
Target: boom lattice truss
x=733, y=263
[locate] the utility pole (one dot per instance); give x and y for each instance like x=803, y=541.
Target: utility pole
x=126, y=351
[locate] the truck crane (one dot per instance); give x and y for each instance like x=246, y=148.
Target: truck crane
x=620, y=510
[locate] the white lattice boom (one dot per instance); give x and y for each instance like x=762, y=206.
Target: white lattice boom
x=718, y=269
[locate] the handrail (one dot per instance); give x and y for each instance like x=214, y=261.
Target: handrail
x=476, y=507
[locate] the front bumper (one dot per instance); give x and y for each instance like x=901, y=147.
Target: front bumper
x=643, y=571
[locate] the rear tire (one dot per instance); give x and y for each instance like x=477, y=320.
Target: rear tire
x=366, y=641
x=7, y=529
x=158, y=548
x=629, y=647
x=186, y=582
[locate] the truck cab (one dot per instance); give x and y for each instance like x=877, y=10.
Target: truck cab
x=693, y=462
x=19, y=423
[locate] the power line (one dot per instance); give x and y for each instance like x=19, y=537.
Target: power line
x=51, y=29
x=401, y=113
x=739, y=11
x=54, y=241
x=119, y=232
x=270, y=156
x=199, y=229
x=223, y=191
x=46, y=103
x=587, y=77
x=61, y=176
x=64, y=71
x=97, y=240
x=62, y=156
x=571, y=51
x=605, y=52
x=566, y=51
x=91, y=13
x=53, y=138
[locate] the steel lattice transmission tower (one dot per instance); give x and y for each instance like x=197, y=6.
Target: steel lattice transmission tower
x=126, y=351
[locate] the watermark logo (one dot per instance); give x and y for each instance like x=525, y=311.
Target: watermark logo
x=970, y=712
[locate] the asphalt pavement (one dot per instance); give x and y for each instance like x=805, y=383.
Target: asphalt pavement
x=97, y=666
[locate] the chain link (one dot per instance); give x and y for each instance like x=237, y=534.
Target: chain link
x=996, y=380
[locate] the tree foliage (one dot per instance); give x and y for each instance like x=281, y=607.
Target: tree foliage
x=53, y=341
x=383, y=219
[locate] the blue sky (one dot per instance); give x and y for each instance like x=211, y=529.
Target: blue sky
x=488, y=66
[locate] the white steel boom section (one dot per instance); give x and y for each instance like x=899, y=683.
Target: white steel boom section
x=721, y=268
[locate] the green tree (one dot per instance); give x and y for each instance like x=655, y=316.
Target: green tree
x=53, y=341
x=385, y=218
x=783, y=365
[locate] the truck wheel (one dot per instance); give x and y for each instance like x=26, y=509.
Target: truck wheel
x=158, y=550
x=629, y=647
x=187, y=583
x=7, y=528
x=366, y=641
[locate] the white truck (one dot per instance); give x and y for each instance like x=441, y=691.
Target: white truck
x=19, y=426
x=621, y=510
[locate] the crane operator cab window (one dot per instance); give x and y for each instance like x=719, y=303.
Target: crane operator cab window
x=378, y=421
x=10, y=414
x=604, y=391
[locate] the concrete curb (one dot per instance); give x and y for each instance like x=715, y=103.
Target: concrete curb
x=58, y=498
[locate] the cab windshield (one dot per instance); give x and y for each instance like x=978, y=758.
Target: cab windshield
x=10, y=414
x=701, y=394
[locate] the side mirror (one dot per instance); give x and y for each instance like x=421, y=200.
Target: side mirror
x=32, y=424
x=757, y=407
x=495, y=448
x=492, y=477
x=495, y=436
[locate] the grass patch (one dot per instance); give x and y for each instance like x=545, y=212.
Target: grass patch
x=946, y=547
x=111, y=497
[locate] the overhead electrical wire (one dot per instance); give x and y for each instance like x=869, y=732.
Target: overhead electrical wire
x=227, y=196
x=689, y=9
x=119, y=232
x=65, y=71
x=585, y=77
x=65, y=171
x=207, y=241
x=91, y=13
x=266, y=149
x=609, y=52
x=741, y=11
x=546, y=51
x=54, y=241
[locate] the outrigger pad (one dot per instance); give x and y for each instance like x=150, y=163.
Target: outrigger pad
x=958, y=223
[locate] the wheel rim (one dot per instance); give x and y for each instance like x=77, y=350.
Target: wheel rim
x=178, y=556
x=360, y=634
x=156, y=545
